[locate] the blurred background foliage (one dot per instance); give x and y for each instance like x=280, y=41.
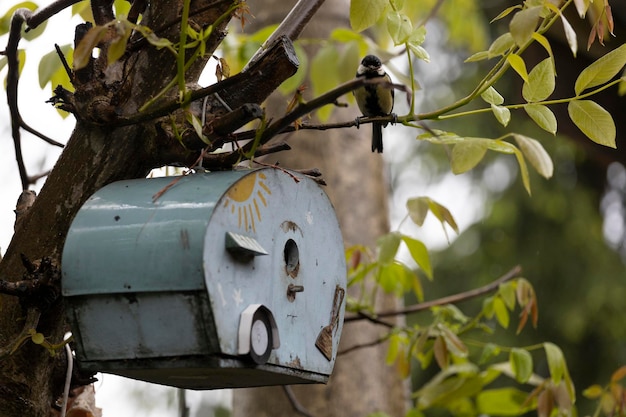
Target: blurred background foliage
x=568, y=236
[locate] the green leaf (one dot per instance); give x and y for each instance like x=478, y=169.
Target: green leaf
x=492, y=96
x=395, y=277
x=508, y=148
x=442, y=214
x=452, y=383
x=517, y=63
x=490, y=351
x=49, y=64
x=540, y=84
x=536, y=155
x=418, y=209
x=522, y=364
x=523, y=24
x=503, y=115
x=399, y=27
x=296, y=80
x=419, y=253
x=5, y=20
x=505, y=12
x=478, y=56
x=345, y=35
x=364, y=13
x=419, y=52
x=543, y=116
x=602, y=70
x=556, y=362
x=501, y=45
x=467, y=154
x=388, y=247
x=503, y=402
x=324, y=75
x=595, y=122
x=83, y=9
x=455, y=346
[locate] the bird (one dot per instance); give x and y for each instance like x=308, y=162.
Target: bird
x=374, y=99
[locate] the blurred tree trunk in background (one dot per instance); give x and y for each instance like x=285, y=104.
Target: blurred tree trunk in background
x=361, y=382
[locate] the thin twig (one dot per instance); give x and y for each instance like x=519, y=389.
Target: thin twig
x=363, y=345
x=298, y=408
x=451, y=299
x=32, y=20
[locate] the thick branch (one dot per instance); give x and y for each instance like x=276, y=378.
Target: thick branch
x=279, y=63
x=291, y=27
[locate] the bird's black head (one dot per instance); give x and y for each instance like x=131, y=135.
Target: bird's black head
x=371, y=62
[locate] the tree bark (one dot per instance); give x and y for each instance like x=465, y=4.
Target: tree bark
x=361, y=382
x=31, y=379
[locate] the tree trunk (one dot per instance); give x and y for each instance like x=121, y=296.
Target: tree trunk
x=361, y=382
x=96, y=154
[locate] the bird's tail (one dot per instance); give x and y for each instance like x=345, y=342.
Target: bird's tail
x=377, y=137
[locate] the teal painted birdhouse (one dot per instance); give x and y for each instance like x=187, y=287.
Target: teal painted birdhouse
x=218, y=280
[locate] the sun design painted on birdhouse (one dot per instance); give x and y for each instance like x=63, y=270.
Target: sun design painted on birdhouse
x=247, y=198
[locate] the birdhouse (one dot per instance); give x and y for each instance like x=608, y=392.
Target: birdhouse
x=216, y=280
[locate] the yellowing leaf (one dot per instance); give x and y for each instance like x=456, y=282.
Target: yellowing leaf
x=82, y=54
x=523, y=24
x=364, y=13
x=543, y=41
x=581, y=7
x=595, y=122
x=602, y=70
x=517, y=63
x=570, y=35
x=467, y=154
x=540, y=82
x=618, y=375
x=536, y=155
x=502, y=314
x=593, y=392
x=543, y=116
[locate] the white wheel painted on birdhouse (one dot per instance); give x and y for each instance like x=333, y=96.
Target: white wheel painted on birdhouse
x=260, y=338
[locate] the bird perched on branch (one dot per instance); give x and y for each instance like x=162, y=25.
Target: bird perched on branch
x=374, y=99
